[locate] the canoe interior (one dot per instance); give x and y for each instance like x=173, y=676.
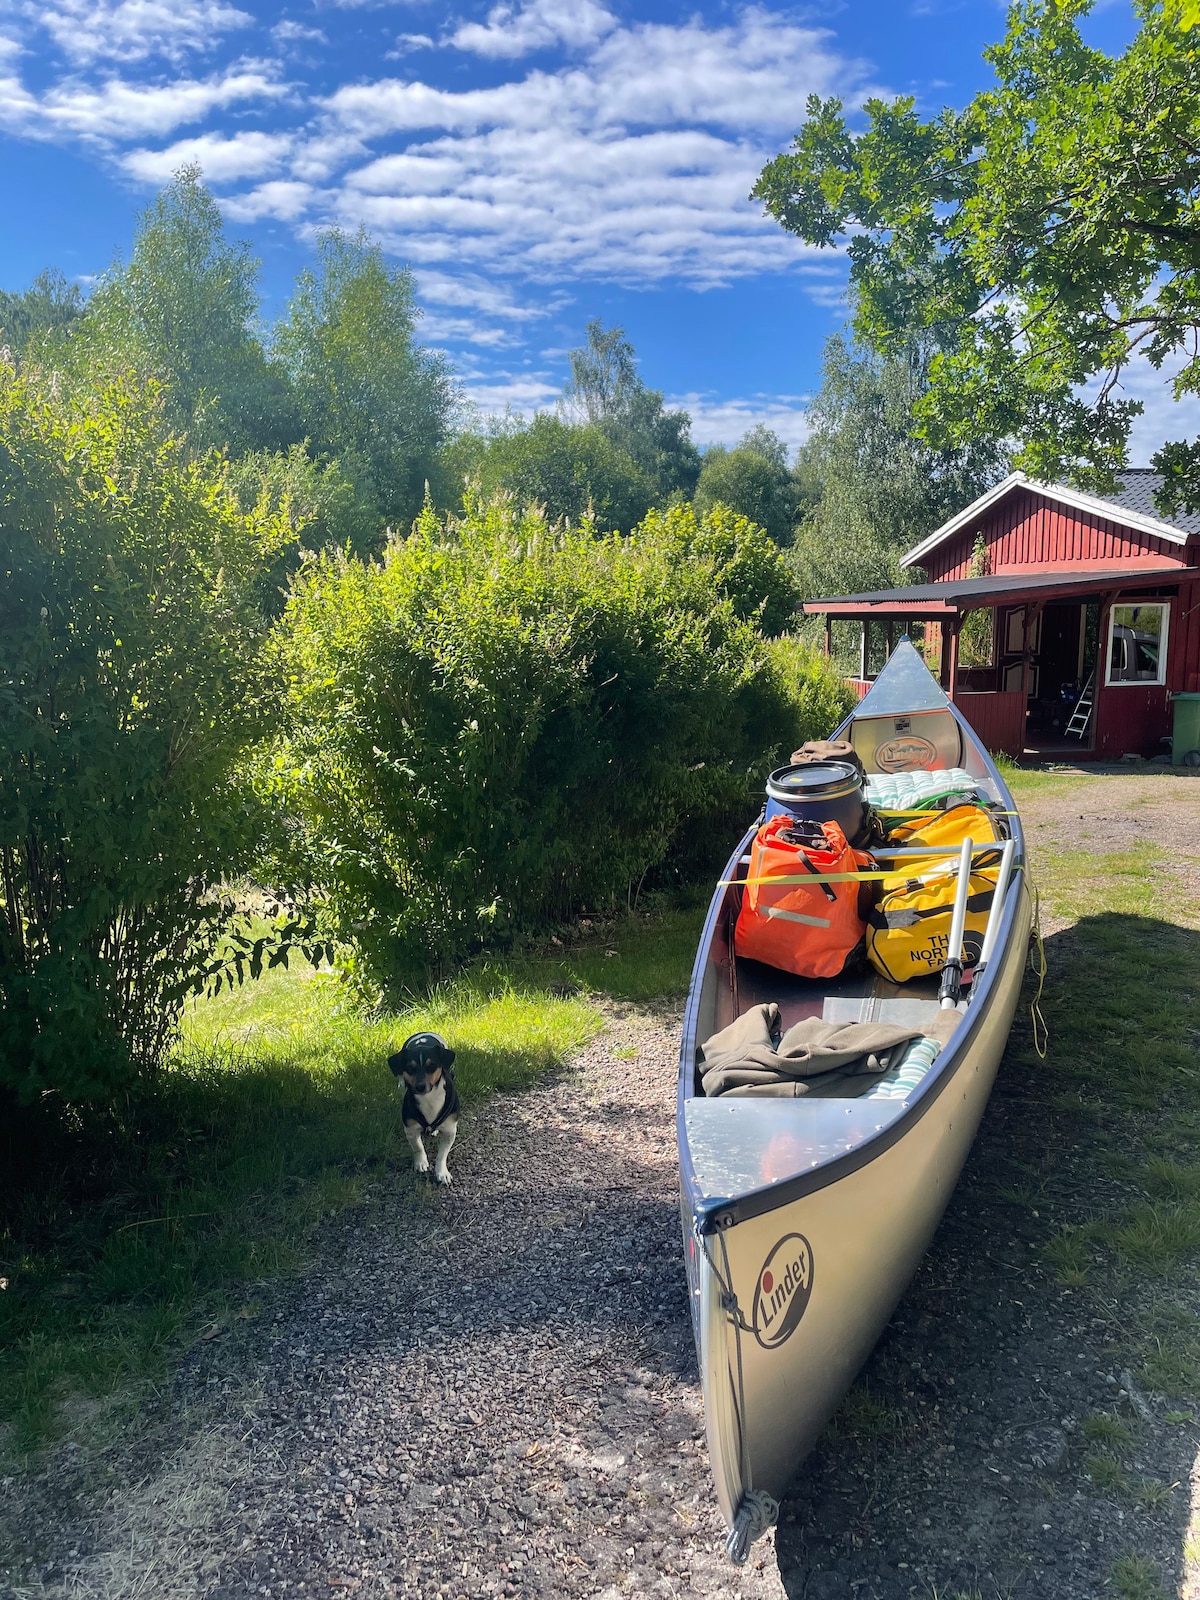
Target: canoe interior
x=852, y=1187
x=904, y=718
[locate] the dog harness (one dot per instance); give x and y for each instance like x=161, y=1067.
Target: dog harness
x=410, y=1111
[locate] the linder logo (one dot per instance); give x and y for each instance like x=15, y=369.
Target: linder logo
x=783, y=1290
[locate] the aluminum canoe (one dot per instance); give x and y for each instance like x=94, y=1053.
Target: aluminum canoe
x=805, y=1219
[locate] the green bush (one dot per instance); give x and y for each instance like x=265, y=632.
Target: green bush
x=129, y=633
x=505, y=722
x=746, y=564
x=815, y=689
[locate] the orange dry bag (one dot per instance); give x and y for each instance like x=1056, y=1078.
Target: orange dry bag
x=809, y=928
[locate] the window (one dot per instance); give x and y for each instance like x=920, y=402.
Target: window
x=1137, y=644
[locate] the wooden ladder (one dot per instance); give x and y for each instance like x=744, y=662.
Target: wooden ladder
x=1082, y=713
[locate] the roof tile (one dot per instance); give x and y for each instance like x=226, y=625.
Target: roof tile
x=1138, y=486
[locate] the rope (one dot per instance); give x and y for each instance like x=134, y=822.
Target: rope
x=1041, y=1033
x=755, y=1515
x=757, y=1511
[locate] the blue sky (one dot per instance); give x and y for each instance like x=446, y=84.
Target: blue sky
x=535, y=163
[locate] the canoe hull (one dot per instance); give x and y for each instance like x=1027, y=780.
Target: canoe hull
x=865, y=1235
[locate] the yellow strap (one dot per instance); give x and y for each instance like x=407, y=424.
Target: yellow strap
x=814, y=877
x=847, y=877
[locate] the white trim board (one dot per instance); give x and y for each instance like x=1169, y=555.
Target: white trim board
x=1053, y=491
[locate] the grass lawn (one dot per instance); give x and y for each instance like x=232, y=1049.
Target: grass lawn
x=277, y=1109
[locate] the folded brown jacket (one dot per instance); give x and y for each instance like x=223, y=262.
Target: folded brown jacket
x=827, y=750
x=743, y=1057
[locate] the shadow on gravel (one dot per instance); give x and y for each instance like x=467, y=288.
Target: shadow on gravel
x=968, y=1462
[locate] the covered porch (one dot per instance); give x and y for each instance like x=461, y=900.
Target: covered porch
x=1070, y=663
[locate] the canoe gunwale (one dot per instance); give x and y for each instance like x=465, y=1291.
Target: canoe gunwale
x=712, y=1215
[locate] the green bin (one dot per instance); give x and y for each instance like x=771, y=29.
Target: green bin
x=1185, y=733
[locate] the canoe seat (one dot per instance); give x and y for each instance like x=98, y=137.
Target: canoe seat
x=904, y=1010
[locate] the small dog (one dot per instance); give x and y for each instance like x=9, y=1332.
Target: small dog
x=424, y=1064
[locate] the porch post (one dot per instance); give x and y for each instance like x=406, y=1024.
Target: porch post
x=952, y=685
x=1029, y=616
x=862, y=657
x=1025, y=650
x=891, y=630
x=828, y=634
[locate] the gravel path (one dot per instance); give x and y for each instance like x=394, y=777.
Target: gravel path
x=492, y=1391
x=485, y=1391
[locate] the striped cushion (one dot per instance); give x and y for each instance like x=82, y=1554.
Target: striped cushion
x=910, y=791
x=908, y=1072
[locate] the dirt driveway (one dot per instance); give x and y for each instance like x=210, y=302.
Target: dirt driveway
x=493, y=1391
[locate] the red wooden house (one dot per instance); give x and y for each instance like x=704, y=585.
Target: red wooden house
x=1060, y=622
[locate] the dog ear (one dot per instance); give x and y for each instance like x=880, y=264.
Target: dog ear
x=396, y=1063
x=447, y=1056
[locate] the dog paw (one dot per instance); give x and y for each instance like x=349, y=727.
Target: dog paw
x=421, y=1169
x=443, y=1178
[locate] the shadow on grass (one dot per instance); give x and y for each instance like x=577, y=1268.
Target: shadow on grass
x=1066, y=1258
x=124, y=1231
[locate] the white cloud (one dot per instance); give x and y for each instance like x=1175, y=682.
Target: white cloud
x=470, y=292
x=244, y=155
x=557, y=203
x=406, y=43
x=755, y=75
x=118, y=110
x=714, y=420
x=318, y=158
x=539, y=25
x=440, y=330
x=524, y=393
x=87, y=31
x=289, y=32
x=284, y=199
x=634, y=165
x=717, y=421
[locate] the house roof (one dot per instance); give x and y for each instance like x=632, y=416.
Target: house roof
x=954, y=596
x=1138, y=488
x=1132, y=503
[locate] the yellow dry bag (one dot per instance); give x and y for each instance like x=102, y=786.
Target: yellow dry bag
x=908, y=931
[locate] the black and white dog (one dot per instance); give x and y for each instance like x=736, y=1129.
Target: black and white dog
x=425, y=1066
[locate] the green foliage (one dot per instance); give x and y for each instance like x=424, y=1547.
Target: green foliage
x=1137, y=1577
x=504, y=722
x=50, y=303
x=181, y=311
x=754, y=481
x=1107, y=1431
x=368, y=395
x=128, y=639
x=574, y=471
x=871, y=489
x=1042, y=236
x=746, y=566
x=817, y=692
x=317, y=502
x=977, y=634
x=606, y=391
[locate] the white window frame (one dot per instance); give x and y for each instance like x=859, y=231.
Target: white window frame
x=1164, y=639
